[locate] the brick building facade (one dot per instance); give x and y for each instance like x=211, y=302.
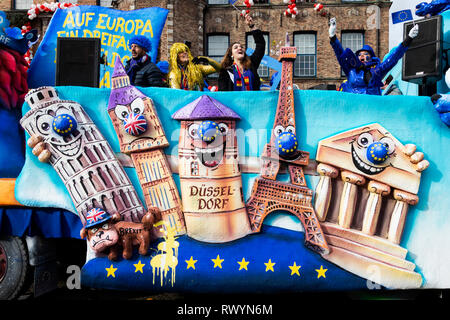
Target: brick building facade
x=210, y=25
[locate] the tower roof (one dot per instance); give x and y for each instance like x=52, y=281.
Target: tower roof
x=119, y=70
x=122, y=92
x=204, y=108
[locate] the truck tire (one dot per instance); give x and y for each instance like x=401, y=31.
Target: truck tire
x=13, y=267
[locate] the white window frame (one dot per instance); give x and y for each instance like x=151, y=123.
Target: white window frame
x=215, y=2
x=217, y=53
x=306, y=44
x=105, y=3
x=22, y=4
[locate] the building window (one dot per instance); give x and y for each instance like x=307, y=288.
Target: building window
x=23, y=4
x=217, y=46
x=305, y=64
x=104, y=3
x=217, y=1
x=354, y=40
x=235, y=2
x=263, y=70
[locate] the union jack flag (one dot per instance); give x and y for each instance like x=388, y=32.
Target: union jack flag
x=95, y=215
x=135, y=124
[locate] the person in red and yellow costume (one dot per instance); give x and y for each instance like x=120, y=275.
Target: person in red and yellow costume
x=239, y=71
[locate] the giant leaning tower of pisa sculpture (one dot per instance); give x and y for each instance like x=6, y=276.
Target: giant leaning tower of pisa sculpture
x=64, y=135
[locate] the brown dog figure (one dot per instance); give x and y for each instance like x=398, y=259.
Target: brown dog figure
x=105, y=232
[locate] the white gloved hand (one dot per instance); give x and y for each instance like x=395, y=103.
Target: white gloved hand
x=414, y=31
x=332, y=30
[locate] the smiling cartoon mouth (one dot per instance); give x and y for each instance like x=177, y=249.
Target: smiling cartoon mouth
x=364, y=167
x=69, y=149
x=211, y=157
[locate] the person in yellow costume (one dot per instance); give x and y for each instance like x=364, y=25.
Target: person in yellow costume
x=186, y=72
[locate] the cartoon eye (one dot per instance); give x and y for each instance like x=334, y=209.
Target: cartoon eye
x=121, y=112
x=94, y=230
x=105, y=226
x=43, y=124
x=193, y=130
x=223, y=128
x=390, y=145
x=278, y=130
x=365, y=139
x=290, y=129
x=137, y=106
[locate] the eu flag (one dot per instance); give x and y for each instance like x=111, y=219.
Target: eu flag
x=401, y=16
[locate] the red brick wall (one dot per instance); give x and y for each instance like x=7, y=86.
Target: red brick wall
x=270, y=18
x=187, y=21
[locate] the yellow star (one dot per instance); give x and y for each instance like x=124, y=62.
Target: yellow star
x=111, y=271
x=217, y=262
x=190, y=263
x=294, y=269
x=269, y=265
x=139, y=267
x=321, y=272
x=243, y=264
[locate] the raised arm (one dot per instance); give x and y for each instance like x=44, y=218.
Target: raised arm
x=396, y=53
x=207, y=65
x=335, y=44
x=260, y=42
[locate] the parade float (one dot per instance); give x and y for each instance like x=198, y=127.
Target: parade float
x=222, y=192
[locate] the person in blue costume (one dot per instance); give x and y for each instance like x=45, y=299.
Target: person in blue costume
x=433, y=8
x=365, y=71
x=140, y=69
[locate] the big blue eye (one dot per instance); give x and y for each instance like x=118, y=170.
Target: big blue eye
x=208, y=131
x=377, y=153
x=64, y=124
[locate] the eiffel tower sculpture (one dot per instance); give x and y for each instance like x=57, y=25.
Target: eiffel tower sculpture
x=268, y=194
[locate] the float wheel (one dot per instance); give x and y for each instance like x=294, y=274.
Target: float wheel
x=13, y=267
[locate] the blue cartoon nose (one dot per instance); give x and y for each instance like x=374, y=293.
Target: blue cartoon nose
x=208, y=131
x=286, y=144
x=64, y=124
x=135, y=124
x=377, y=152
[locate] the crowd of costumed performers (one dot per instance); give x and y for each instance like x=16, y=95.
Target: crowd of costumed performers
x=237, y=71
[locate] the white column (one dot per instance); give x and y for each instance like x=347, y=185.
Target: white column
x=348, y=197
x=324, y=190
x=399, y=214
x=377, y=191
